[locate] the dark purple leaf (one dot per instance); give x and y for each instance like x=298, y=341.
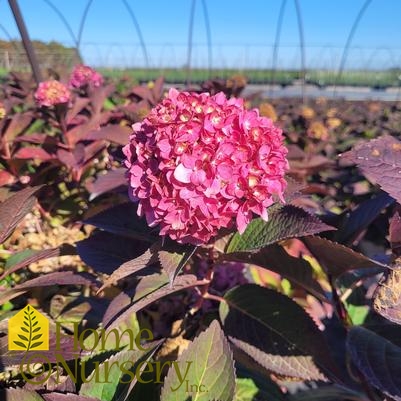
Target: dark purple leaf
x=35, y=256
x=277, y=333
x=124, y=220
x=276, y=259
x=130, y=267
x=285, y=222
x=78, y=105
x=112, y=179
x=6, y=178
x=67, y=158
x=157, y=90
x=354, y=222
x=18, y=124
x=181, y=283
x=328, y=393
x=18, y=394
x=118, y=134
x=67, y=397
x=380, y=161
x=395, y=234
x=337, y=259
x=106, y=252
x=49, y=279
x=31, y=152
x=13, y=210
x=98, y=96
x=378, y=359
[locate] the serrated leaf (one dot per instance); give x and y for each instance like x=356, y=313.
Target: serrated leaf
x=209, y=368
x=395, y=233
x=130, y=267
x=67, y=397
x=105, y=252
x=28, y=256
x=14, y=208
x=50, y=279
x=378, y=359
x=124, y=220
x=286, y=222
x=337, y=259
x=170, y=262
x=181, y=283
x=109, y=180
x=380, y=162
x=276, y=259
x=18, y=394
x=114, y=133
x=109, y=375
x=261, y=323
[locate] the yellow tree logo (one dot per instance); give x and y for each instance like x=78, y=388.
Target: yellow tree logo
x=28, y=330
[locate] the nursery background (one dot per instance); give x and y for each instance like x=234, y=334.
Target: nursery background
x=199, y=200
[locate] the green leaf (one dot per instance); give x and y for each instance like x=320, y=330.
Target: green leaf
x=286, y=222
x=106, y=378
x=276, y=259
x=378, y=359
x=277, y=333
x=204, y=371
x=357, y=313
x=245, y=390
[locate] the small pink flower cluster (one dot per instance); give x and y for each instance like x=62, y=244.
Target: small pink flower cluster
x=83, y=75
x=50, y=93
x=197, y=162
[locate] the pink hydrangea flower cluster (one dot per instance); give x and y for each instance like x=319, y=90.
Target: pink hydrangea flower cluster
x=50, y=93
x=83, y=75
x=197, y=163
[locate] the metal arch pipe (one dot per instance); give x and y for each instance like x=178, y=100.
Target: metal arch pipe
x=26, y=41
x=302, y=46
x=276, y=43
x=139, y=32
x=190, y=32
x=67, y=25
x=82, y=24
x=348, y=43
x=208, y=36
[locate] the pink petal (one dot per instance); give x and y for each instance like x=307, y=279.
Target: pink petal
x=182, y=174
x=198, y=177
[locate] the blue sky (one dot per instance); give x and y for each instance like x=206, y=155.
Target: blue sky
x=242, y=32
